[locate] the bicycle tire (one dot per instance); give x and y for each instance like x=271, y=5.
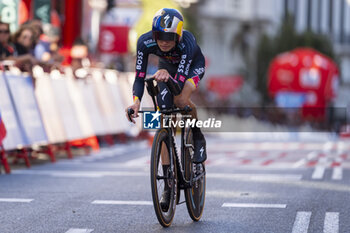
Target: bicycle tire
x=165, y=218
x=195, y=196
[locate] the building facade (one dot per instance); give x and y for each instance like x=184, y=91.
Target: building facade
x=232, y=28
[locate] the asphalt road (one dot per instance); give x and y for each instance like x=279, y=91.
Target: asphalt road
x=267, y=185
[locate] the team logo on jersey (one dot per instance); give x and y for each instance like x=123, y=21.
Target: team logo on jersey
x=182, y=78
x=139, y=60
x=142, y=74
x=199, y=71
x=150, y=43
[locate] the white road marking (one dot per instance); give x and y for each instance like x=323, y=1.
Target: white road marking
x=254, y=205
x=331, y=223
x=79, y=230
x=337, y=173
x=76, y=175
x=218, y=162
x=341, y=147
x=80, y=174
x=318, y=173
x=99, y=174
x=112, y=202
x=301, y=162
x=16, y=200
x=260, y=177
x=241, y=154
x=328, y=146
x=301, y=223
x=312, y=155
x=141, y=160
x=323, y=161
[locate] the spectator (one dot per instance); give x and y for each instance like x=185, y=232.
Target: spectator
x=79, y=54
x=46, y=50
x=23, y=40
x=46, y=43
x=37, y=27
x=6, y=50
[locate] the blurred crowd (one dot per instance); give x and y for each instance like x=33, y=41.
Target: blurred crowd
x=32, y=44
x=36, y=44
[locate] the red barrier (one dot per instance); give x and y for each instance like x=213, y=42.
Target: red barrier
x=50, y=152
x=22, y=154
x=91, y=142
x=3, y=160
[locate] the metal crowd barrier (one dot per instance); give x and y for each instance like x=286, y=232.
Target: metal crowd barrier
x=57, y=110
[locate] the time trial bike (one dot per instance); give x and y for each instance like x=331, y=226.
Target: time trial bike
x=182, y=172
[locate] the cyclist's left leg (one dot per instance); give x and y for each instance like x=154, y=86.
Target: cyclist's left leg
x=195, y=74
x=182, y=100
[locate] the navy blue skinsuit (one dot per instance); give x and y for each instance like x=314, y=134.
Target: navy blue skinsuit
x=184, y=62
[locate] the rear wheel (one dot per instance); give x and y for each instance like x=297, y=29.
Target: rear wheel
x=195, y=196
x=160, y=178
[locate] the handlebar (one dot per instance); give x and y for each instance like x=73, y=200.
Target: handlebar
x=130, y=112
x=174, y=88
x=186, y=109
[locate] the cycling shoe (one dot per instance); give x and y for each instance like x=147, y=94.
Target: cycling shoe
x=165, y=200
x=200, y=150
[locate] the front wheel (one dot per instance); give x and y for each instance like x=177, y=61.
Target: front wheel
x=195, y=196
x=159, y=178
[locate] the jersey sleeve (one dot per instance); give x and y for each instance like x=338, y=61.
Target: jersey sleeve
x=141, y=68
x=190, y=49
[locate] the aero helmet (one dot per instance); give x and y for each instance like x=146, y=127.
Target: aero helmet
x=167, y=25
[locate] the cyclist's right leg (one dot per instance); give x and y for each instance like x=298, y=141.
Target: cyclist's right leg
x=165, y=101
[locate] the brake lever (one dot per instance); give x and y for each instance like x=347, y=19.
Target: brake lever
x=130, y=112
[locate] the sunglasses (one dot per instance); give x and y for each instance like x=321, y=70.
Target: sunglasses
x=4, y=31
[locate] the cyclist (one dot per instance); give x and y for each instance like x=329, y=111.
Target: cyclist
x=180, y=58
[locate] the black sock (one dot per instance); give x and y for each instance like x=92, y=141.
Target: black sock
x=165, y=168
x=196, y=132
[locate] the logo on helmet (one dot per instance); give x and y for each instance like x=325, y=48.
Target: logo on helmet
x=170, y=22
x=166, y=18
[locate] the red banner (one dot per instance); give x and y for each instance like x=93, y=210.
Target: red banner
x=304, y=71
x=307, y=72
x=224, y=85
x=2, y=130
x=113, y=39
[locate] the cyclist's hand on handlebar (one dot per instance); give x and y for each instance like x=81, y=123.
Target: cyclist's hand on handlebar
x=135, y=107
x=161, y=75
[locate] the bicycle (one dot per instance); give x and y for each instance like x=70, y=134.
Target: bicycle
x=183, y=173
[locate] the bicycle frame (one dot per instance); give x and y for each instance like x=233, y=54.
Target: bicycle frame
x=183, y=173
x=183, y=183
x=153, y=90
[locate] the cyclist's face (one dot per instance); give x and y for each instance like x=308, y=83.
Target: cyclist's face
x=166, y=45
